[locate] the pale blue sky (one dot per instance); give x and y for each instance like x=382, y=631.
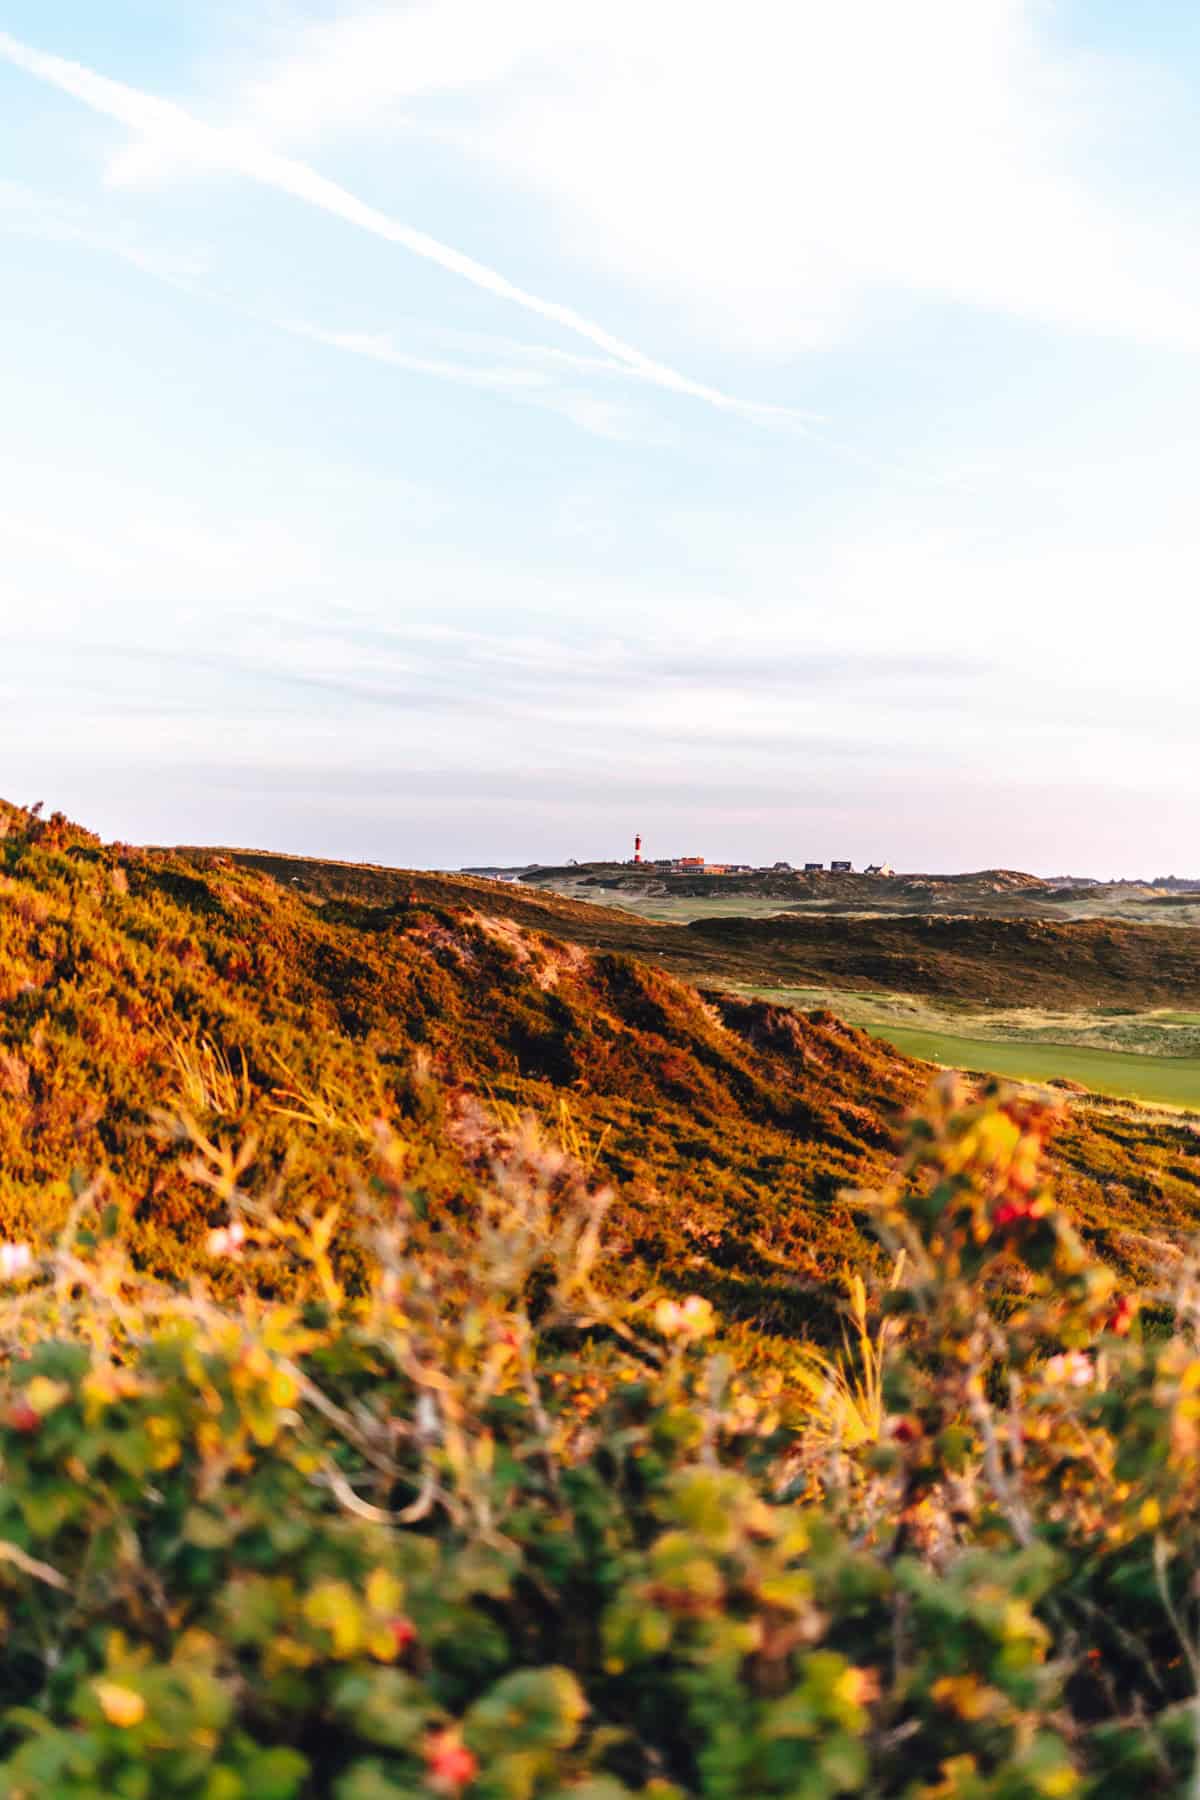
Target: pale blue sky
x=436, y=431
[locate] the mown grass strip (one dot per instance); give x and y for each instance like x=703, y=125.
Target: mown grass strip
x=1161, y=1080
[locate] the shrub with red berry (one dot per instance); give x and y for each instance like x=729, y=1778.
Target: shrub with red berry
x=403, y=1506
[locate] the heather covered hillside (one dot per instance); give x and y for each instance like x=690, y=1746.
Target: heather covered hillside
x=730, y=1129
x=130, y=978
x=963, y=952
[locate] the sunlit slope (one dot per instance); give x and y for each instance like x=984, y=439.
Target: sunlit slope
x=1098, y=1153
x=730, y=1129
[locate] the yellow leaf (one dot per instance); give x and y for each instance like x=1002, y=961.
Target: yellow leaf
x=120, y=1705
x=282, y=1387
x=44, y=1395
x=1058, y=1782
x=332, y=1607
x=382, y=1644
x=384, y=1592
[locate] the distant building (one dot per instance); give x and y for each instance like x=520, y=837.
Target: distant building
x=841, y=868
x=689, y=865
x=879, y=869
x=814, y=868
x=781, y=868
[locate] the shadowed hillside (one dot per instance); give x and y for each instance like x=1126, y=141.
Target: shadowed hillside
x=1004, y=962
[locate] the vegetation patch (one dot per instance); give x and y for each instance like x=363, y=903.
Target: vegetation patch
x=400, y=1499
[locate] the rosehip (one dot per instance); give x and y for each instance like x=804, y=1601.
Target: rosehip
x=1011, y=1212
x=23, y=1417
x=1123, y=1315
x=449, y=1765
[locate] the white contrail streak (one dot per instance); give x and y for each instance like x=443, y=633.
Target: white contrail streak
x=162, y=122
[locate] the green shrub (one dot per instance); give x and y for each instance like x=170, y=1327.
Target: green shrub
x=403, y=1502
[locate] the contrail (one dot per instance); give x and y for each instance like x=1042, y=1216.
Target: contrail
x=164, y=122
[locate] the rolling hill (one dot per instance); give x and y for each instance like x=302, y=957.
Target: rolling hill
x=977, y=960
x=730, y=1128
x=967, y=957
x=989, y=893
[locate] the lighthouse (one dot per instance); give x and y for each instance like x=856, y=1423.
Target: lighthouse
x=637, y=848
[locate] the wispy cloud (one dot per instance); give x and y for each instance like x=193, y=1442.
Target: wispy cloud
x=234, y=151
x=532, y=374
x=31, y=215
x=380, y=348
x=458, y=672
x=770, y=183
x=523, y=382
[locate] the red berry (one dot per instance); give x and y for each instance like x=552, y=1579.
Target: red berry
x=1123, y=1314
x=403, y=1631
x=23, y=1417
x=449, y=1765
x=1011, y=1212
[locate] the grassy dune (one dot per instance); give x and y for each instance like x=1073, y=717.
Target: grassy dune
x=995, y=894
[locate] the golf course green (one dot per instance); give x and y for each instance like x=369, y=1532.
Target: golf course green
x=1161, y=1080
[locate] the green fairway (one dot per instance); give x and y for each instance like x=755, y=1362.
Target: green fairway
x=1163, y=1080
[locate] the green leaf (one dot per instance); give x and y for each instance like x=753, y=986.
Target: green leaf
x=277, y=1774
x=372, y=1781
x=531, y=1709
x=383, y=1706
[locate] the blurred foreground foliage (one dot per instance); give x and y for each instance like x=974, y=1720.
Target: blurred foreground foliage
x=406, y=1503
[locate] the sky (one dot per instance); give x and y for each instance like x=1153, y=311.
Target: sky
x=435, y=432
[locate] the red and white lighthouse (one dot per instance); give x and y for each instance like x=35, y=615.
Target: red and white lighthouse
x=637, y=848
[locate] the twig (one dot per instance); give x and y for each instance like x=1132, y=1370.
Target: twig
x=993, y=1465
x=379, y=1515
x=29, y=1565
